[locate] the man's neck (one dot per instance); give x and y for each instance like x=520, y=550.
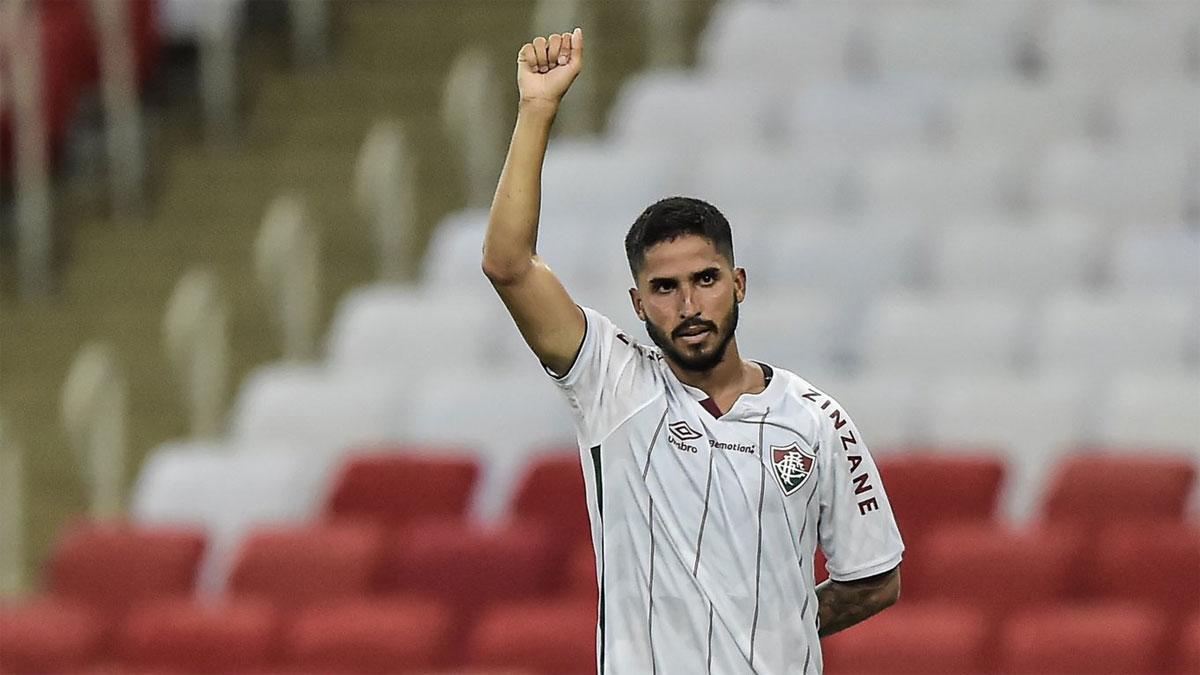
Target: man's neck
x=727, y=380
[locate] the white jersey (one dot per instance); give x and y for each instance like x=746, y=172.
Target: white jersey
x=705, y=527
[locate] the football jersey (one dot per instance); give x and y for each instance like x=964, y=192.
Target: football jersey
x=705, y=527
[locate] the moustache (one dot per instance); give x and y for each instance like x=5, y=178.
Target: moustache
x=693, y=323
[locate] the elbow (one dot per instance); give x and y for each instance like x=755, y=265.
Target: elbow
x=499, y=272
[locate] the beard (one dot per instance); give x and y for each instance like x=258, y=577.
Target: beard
x=698, y=361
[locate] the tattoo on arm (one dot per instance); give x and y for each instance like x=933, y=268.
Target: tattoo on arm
x=841, y=604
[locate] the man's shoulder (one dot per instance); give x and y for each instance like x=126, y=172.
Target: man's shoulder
x=597, y=320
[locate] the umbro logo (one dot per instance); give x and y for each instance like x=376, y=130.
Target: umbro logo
x=682, y=431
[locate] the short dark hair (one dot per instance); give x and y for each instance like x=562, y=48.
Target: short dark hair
x=674, y=217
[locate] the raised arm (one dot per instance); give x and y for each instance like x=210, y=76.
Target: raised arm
x=547, y=317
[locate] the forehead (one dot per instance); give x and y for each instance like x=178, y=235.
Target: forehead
x=681, y=256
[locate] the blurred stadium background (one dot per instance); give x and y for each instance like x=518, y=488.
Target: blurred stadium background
x=261, y=412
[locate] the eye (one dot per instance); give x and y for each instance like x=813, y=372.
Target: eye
x=662, y=286
x=706, y=278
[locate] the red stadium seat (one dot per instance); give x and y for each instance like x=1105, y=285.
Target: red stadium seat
x=928, y=490
x=994, y=568
x=1188, y=657
x=187, y=636
x=470, y=566
x=919, y=638
x=549, y=637
x=395, y=488
x=112, y=566
x=49, y=635
x=372, y=636
x=1096, y=640
x=581, y=573
x=1157, y=563
x=552, y=492
x=1093, y=489
x=293, y=567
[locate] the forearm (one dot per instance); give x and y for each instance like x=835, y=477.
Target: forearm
x=511, y=238
x=843, y=604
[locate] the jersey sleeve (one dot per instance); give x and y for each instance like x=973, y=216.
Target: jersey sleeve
x=857, y=529
x=608, y=381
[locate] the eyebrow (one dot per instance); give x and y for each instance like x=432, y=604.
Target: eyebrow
x=714, y=271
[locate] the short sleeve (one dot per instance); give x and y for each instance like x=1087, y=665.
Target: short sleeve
x=857, y=529
x=612, y=377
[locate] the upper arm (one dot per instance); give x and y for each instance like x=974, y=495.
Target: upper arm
x=549, y=320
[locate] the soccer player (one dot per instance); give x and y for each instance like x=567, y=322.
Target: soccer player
x=711, y=478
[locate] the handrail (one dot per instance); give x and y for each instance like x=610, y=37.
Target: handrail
x=12, y=515
x=287, y=262
x=94, y=413
x=472, y=111
x=385, y=193
x=195, y=332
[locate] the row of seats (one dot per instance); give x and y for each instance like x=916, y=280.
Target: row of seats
x=392, y=547
x=1081, y=41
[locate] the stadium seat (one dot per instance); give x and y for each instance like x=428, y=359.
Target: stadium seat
x=1188, y=653
x=186, y=636
x=806, y=336
x=1148, y=332
x=391, y=488
x=1157, y=112
x=948, y=41
x=372, y=636
x=1090, y=639
x=1097, y=42
x=1150, y=410
x=552, y=494
x=114, y=566
x=1154, y=563
x=1021, y=115
x=1030, y=421
x=226, y=490
x=743, y=181
x=926, y=335
x=916, y=638
x=471, y=566
x=936, y=185
x=676, y=111
x=309, y=564
x=318, y=413
x=582, y=580
x=1161, y=259
x=820, y=39
x=547, y=637
x=995, y=569
x=882, y=405
x=929, y=491
x=1090, y=490
x=1025, y=262
x=453, y=253
x=1118, y=184
x=51, y=635
x=859, y=116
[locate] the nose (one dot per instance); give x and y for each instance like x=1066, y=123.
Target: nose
x=687, y=304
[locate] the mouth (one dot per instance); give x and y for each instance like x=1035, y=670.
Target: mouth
x=693, y=336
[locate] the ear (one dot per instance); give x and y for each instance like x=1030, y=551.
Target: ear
x=739, y=283
x=636, y=299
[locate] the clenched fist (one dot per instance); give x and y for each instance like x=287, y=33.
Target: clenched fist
x=546, y=67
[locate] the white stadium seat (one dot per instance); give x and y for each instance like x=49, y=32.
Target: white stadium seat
x=747, y=182
x=1111, y=41
x=1031, y=420
x=860, y=116
x=228, y=491
x=1097, y=335
x=780, y=44
x=886, y=408
x=678, y=111
x=1157, y=260
x=1160, y=112
x=930, y=334
x=1159, y=411
x=952, y=40
x=1025, y=262
x=939, y=184
x=452, y=259
x=1119, y=184
x=1022, y=115
x=318, y=413
x=602, y=180
x=800, y=331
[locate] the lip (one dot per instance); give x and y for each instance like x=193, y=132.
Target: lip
x=695, y=338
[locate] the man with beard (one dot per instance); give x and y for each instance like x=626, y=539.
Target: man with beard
x=711, y=478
